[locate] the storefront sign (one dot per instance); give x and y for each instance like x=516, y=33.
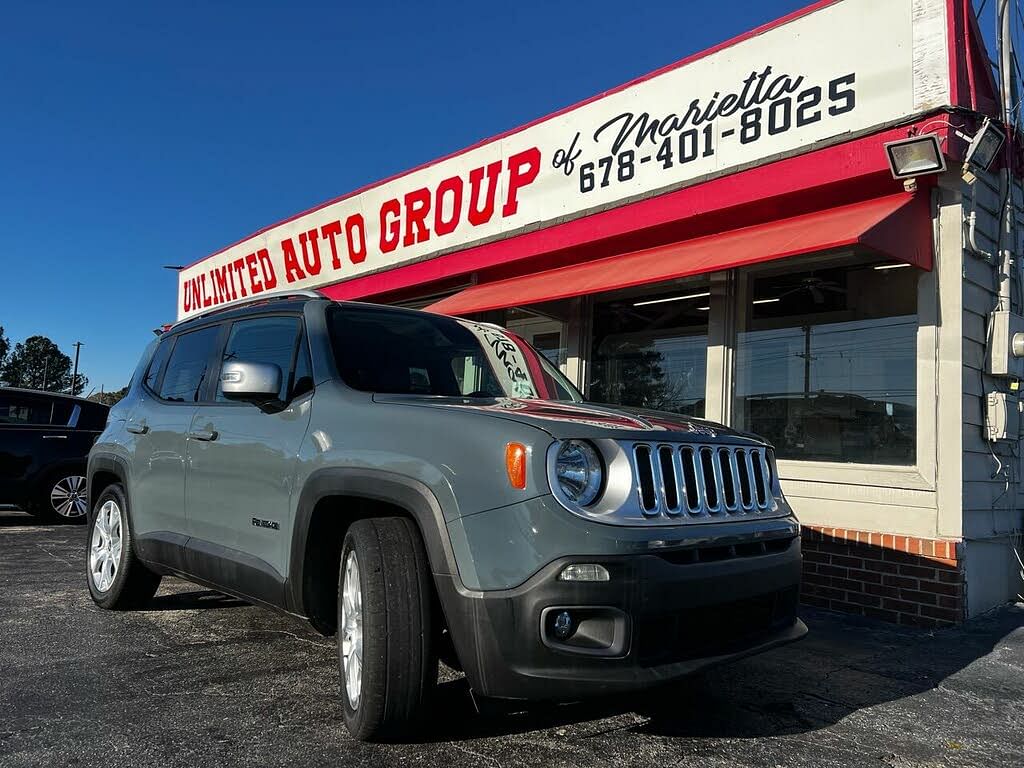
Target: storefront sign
x=847, y=67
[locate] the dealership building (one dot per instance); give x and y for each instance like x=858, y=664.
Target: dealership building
x=734, y=237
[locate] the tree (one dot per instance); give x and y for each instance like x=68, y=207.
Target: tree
x=5, y=347
x=109, y=398
x=39, y=364
x=632, y=374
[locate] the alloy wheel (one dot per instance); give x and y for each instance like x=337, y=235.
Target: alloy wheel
x=352, y=630
x=68, y=497
x=105, y=547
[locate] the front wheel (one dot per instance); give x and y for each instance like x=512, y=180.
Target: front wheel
x=386, y=650
x=117, y=579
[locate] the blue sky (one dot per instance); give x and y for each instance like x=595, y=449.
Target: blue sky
x=143, y=134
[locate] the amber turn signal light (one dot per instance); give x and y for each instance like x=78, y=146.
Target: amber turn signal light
x=515, y=464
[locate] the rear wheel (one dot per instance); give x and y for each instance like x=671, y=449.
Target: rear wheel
x=117, y=579
x=62, y=498
x=386, y=649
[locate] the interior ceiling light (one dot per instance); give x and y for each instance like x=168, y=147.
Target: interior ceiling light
x=704, y=309
x=891, y=266
x=916, y=156
x=672, y=298
x=766, y=301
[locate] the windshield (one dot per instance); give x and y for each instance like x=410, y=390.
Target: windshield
x=417, y=353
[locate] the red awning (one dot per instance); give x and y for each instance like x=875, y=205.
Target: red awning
x=898, y=227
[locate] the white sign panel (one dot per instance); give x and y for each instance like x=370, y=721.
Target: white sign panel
x=848, y=67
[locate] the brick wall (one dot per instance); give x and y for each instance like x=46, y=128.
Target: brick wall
x=901, y=579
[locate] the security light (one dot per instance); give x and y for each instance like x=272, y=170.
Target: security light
x=916, y=156
x=985, y=146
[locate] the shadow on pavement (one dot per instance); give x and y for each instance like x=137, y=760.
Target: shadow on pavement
x=196, y=600
x=11, y=517
x=846, y=664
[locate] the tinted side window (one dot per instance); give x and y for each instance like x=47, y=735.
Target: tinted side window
x=60, y=412
x=92, y=418
x=156, y=364
x=23, y=410
x=263, y=340
x=186, y=369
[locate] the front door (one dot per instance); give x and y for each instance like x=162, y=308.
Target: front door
x=242, y=462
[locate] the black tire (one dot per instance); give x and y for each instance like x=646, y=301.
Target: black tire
x=41, y=506
x=399, y=661
x=133, y=585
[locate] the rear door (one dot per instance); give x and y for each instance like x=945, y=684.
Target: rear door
x=33, y=435
x=176, y=380
x=242, y=463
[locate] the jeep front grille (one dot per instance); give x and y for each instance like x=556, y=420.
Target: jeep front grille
x=694, y=481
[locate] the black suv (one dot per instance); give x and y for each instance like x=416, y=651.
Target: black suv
x=44, y=440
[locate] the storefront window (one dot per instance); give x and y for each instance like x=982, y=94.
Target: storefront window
x=827, y=369
x=544, y=331
x=650, y=351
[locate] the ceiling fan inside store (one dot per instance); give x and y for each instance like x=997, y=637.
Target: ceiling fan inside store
x=816, y=287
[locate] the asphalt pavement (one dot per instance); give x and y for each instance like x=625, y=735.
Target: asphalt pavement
x=200, y=679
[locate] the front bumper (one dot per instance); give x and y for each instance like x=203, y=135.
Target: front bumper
x=667, y=614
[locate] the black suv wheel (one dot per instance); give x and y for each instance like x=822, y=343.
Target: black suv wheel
x=62, y=497
x=385, y=635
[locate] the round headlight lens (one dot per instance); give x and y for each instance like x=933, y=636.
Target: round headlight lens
x=578, y=471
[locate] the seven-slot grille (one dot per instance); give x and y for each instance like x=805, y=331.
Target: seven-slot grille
x=703, y=480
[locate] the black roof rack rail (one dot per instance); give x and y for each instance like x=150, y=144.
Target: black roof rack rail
x=253, y=301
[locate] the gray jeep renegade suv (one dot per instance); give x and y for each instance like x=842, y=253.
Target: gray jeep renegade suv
x=423, y=486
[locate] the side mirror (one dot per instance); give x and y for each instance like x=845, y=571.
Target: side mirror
x=257, y=383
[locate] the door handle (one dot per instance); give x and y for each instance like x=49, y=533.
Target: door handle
x=206, y=435
x=136, y=428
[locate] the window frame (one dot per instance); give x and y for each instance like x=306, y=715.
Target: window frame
x=225, y=334
x=204, y=392
x=729, y=292
x=921, y=475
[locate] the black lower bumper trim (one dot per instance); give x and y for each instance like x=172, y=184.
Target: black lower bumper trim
x=679, y=618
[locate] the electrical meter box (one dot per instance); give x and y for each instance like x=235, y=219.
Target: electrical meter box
x=1002, y=417
x=1001, y=359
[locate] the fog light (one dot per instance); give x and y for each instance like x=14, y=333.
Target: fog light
x=584, y=572
x=563, y=626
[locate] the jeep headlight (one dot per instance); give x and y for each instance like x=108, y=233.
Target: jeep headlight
x=579, y=472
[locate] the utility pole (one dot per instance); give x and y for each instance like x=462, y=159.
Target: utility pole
x=46, y=368
x=74, y=377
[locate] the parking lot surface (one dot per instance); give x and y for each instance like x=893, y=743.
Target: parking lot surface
x=203, y=679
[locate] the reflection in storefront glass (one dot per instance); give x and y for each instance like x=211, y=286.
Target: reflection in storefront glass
x=651, y=355
x=828, y=371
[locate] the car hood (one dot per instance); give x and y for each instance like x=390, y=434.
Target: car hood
x=564, y=420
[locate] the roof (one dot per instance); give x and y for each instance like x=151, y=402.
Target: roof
x=47, y=393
